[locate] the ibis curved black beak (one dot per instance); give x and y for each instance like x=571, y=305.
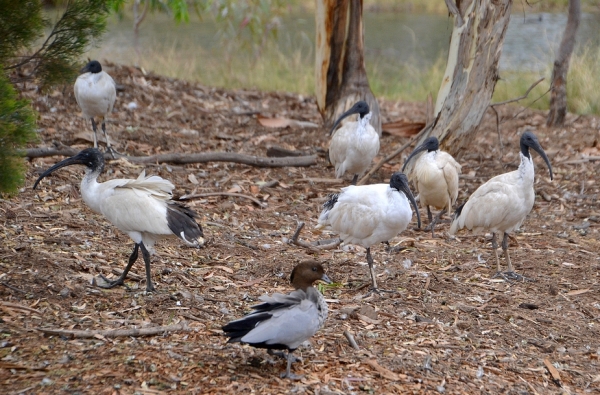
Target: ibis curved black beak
x=361, y=108
x=542, y=153
x=400, y=182
x=431, y=144
x=74, y=160
x=529, y=140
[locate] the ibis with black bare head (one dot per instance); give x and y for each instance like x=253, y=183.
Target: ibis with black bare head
x=355, y=144
x=95, y=92
x=369, y=214
x=435, y=177
x=284, y=322
x=502, y=203
x=142, y=208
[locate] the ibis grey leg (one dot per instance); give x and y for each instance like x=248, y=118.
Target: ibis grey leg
x=288, y=374
x=371, y=269
x=121, y=280
x=354, y=179
x=495, y=247
x=506, y=256
x=108, y=147
x=146, y=255
x=429, y=215
x=95, y=128
x=435, y=220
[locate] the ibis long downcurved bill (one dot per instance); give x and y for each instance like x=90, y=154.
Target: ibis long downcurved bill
x=361, y=108
x=400, y=182
x=74, y=160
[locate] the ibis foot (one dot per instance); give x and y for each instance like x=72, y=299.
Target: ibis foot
x=511, y=276
x=109, y=284
x=281, y=354
x=392, y=250
x=113, y=152
x=377, y=291
x=291, y=376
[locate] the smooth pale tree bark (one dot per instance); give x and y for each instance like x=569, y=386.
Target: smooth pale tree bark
x=471, y=72
x=558, y=90
x=340, y=75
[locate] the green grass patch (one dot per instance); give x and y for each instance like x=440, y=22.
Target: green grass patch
x=285, y=67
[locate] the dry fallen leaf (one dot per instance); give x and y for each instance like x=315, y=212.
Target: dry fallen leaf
x=284, y=122
x=553, y=371
x=578, y=292
x=402, y=128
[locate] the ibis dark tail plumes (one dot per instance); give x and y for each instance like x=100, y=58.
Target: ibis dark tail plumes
x=502, y=203
x=140, y=207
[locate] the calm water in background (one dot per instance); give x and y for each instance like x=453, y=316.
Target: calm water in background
x=421, y=39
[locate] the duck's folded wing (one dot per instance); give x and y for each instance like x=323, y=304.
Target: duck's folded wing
x=289, y=326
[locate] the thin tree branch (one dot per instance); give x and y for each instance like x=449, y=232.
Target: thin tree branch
x=454, y=11
x=391, y=156
x=201, y=195
x=520, y=97
x=135, y=332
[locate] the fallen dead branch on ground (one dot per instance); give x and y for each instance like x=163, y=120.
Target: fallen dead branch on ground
x=233, y=194
x=182, y=158
x=134, y=332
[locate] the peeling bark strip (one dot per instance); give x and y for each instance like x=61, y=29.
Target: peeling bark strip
x=558, y=95
x=136, y=332
x=181, y=159
x=340, y=74
x=471, y=71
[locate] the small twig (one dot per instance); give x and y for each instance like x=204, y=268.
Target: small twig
x=317, y=246
x=17, y=306
x=520, y=97
x=269, y=184
x=201, y=195
x=135, y=332
x=297, y=232
x=11, y=287
x=351, y=340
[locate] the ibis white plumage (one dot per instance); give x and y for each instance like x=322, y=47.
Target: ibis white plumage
x=354, y=145
x=142, y=208
x=369, y=214
x=435, y=177
x=95, y=92
x=502, y=203
x=283, y=322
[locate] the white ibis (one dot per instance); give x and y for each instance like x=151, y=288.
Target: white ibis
x=283, y=322
x=501, y=204
x=435, y=176
x=95, y=92
x=369, y=214
x=142, y=208
x=355, y=144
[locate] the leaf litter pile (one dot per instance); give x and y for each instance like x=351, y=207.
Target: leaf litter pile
x=447, y=327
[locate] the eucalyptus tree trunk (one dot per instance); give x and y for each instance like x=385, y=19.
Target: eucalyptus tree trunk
x=340, y=75
x=471, y=72
x=558, y=90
